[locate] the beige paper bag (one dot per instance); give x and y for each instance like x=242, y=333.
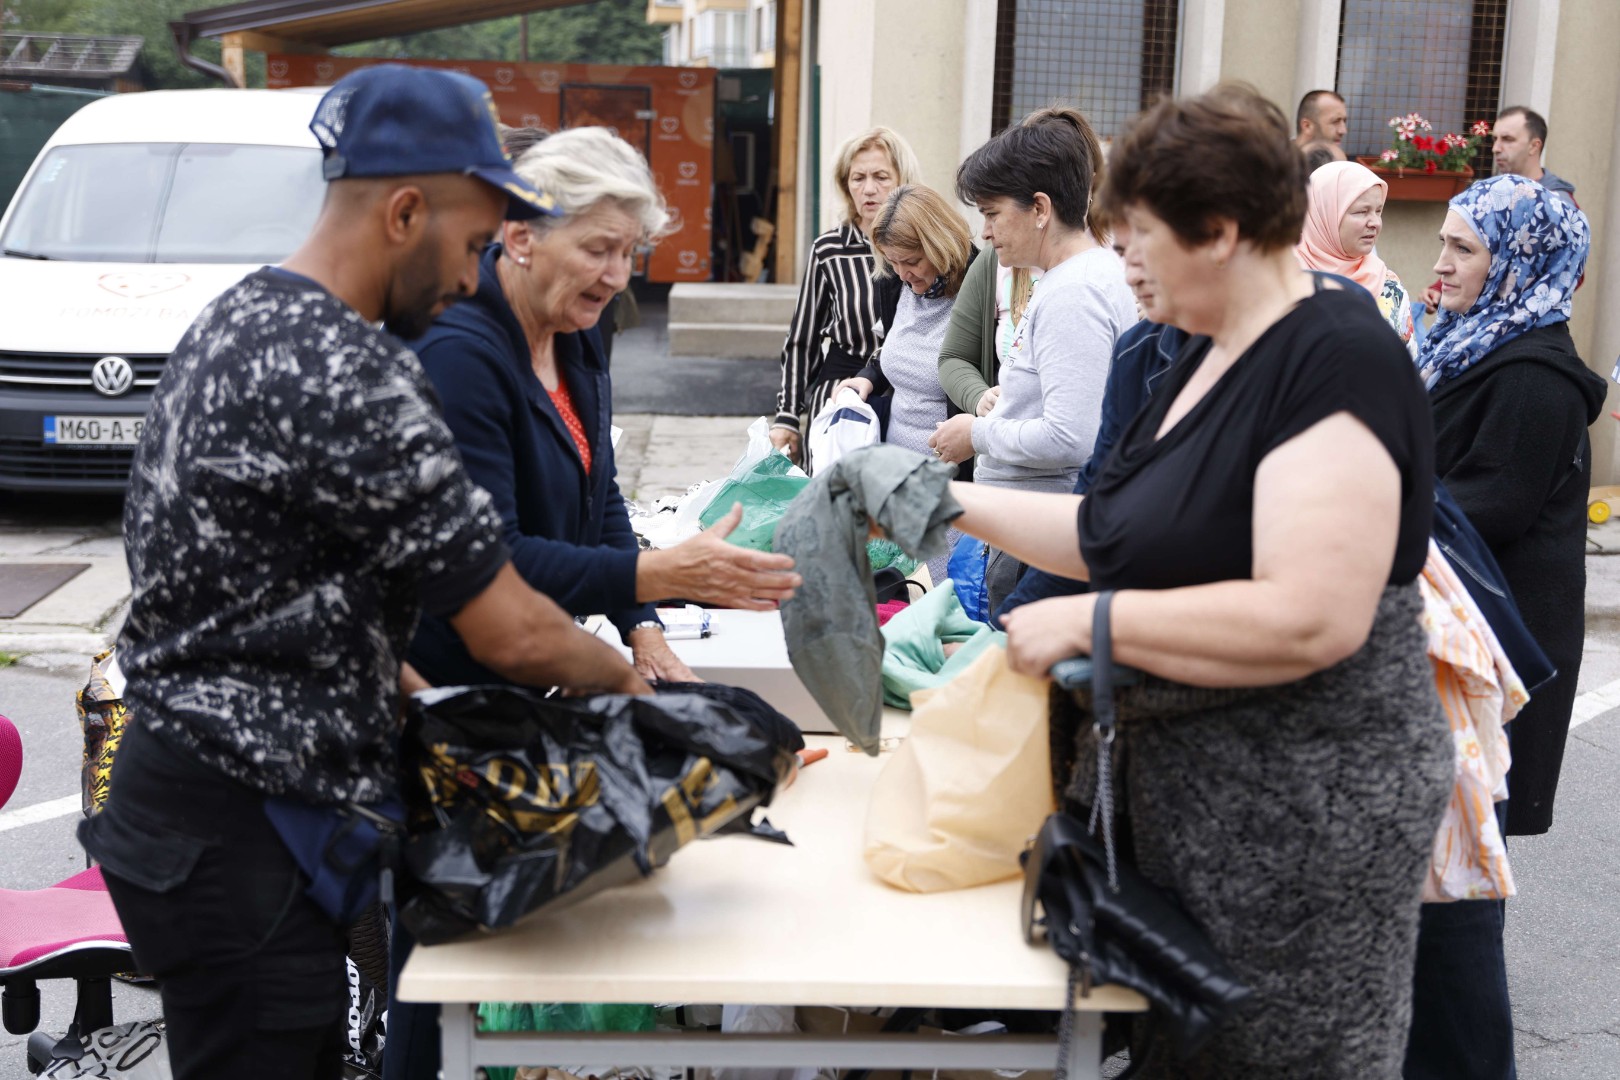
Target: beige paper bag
x=970, y=785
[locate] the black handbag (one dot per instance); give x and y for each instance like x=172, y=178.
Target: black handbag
x=1101, y=915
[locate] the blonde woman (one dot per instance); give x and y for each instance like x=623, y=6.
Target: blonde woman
x=838, y=300
x=923, y=246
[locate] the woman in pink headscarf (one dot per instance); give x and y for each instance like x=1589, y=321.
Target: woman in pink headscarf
x=1346, y=215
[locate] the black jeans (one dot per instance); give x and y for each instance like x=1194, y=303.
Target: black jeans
x=251, y=971
x=1462, y=1022
x=414, y=1047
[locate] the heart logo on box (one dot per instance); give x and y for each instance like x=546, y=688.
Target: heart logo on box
x=688, y=259
x=503, y=75
x=548, y=78
x=132, y=285
x=531, y=119
x=278, y=69
x=325, y=69
x=670, y=124
x=688, y=79
x=688, y=170
x=674, y=218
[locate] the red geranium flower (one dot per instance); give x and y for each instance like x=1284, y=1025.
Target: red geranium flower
x=1430, y=166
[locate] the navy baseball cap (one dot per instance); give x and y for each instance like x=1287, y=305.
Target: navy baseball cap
x=393, y=120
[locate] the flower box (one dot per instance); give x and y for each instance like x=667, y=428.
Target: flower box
x=1417, y=185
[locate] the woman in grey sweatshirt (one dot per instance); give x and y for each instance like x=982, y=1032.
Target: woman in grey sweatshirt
x=1033, y=184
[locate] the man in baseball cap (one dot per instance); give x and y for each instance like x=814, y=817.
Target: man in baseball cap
x=295, y=503
x=393, y=120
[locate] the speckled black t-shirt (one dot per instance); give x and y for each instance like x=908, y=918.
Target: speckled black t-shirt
x=296, y=500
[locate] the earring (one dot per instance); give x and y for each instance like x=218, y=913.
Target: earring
x=1040, y=224
x=520, y=260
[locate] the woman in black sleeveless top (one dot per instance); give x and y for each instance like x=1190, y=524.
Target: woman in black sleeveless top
x=1285, y=763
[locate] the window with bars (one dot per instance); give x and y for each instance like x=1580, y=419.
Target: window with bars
x=1110, y=58
x=1439, y=58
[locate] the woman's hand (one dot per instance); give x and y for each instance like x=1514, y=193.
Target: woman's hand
x=1046, y=631
x=707, y=570
x=952, y=440
x=789, y=442
x=861, y=386
x=655, y=661
x=987, y=400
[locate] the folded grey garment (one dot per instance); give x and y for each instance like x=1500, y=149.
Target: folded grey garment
x=831, y=623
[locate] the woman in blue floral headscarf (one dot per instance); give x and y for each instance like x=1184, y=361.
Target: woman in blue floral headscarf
x=1512, y=401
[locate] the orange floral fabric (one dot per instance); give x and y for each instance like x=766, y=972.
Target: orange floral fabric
x=1480, y=692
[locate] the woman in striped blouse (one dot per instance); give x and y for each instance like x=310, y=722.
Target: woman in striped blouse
x=837, y=297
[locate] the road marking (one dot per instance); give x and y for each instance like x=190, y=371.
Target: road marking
x=1594, y=703
x=45, y=811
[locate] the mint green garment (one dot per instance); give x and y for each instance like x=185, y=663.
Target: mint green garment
x=765, y=492
x=914, y=644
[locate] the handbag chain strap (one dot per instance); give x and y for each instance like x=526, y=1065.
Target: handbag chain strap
x=1103, y=724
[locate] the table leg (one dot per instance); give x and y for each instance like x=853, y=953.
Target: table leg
x=457, y=1024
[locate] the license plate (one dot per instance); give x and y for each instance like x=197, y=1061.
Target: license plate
x=93, y=430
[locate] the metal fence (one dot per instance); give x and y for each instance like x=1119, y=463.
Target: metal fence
x=1111, y=58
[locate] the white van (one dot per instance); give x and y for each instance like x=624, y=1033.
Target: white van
x=138, y=211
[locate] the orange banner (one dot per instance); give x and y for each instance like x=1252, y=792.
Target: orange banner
x=666, y=113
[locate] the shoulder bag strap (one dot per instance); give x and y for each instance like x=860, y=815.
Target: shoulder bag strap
x=1102, y=723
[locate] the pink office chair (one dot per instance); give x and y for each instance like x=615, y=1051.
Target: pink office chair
x=65, y=931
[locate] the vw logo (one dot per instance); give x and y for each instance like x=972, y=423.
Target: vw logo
x=112, y=375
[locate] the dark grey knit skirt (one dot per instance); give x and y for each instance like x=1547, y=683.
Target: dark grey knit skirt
x=1295, y=824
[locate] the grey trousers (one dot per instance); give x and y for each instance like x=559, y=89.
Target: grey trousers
x=1001, y=574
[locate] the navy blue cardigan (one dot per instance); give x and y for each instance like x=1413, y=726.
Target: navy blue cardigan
x=569, y=533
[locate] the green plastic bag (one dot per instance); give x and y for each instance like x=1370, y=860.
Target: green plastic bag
x=764, y=491
x=914, y=644
x=883, y=552
x=526, y=1016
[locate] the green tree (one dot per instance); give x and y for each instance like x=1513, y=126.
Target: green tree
x=159, y=62
x=603, y=32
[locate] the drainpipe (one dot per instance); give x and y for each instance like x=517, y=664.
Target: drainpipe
x=183, y=39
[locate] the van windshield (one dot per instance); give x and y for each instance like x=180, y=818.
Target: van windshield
x=168, y=203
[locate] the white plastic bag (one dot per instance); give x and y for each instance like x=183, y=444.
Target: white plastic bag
x=845, y=423
x=759, y=448
x=759, y=445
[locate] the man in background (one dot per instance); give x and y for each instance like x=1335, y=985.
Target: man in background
x=1516, y=144
x=1321, y=117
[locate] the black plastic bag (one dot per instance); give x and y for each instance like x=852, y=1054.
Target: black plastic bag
x=515, y=800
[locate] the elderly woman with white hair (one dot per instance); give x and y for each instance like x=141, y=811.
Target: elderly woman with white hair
x=524, y=387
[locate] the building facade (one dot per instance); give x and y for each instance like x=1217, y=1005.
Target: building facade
x=716, y=33
x=949, y=80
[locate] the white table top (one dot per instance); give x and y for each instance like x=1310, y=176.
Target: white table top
x=746, y=649
x=741, y=920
